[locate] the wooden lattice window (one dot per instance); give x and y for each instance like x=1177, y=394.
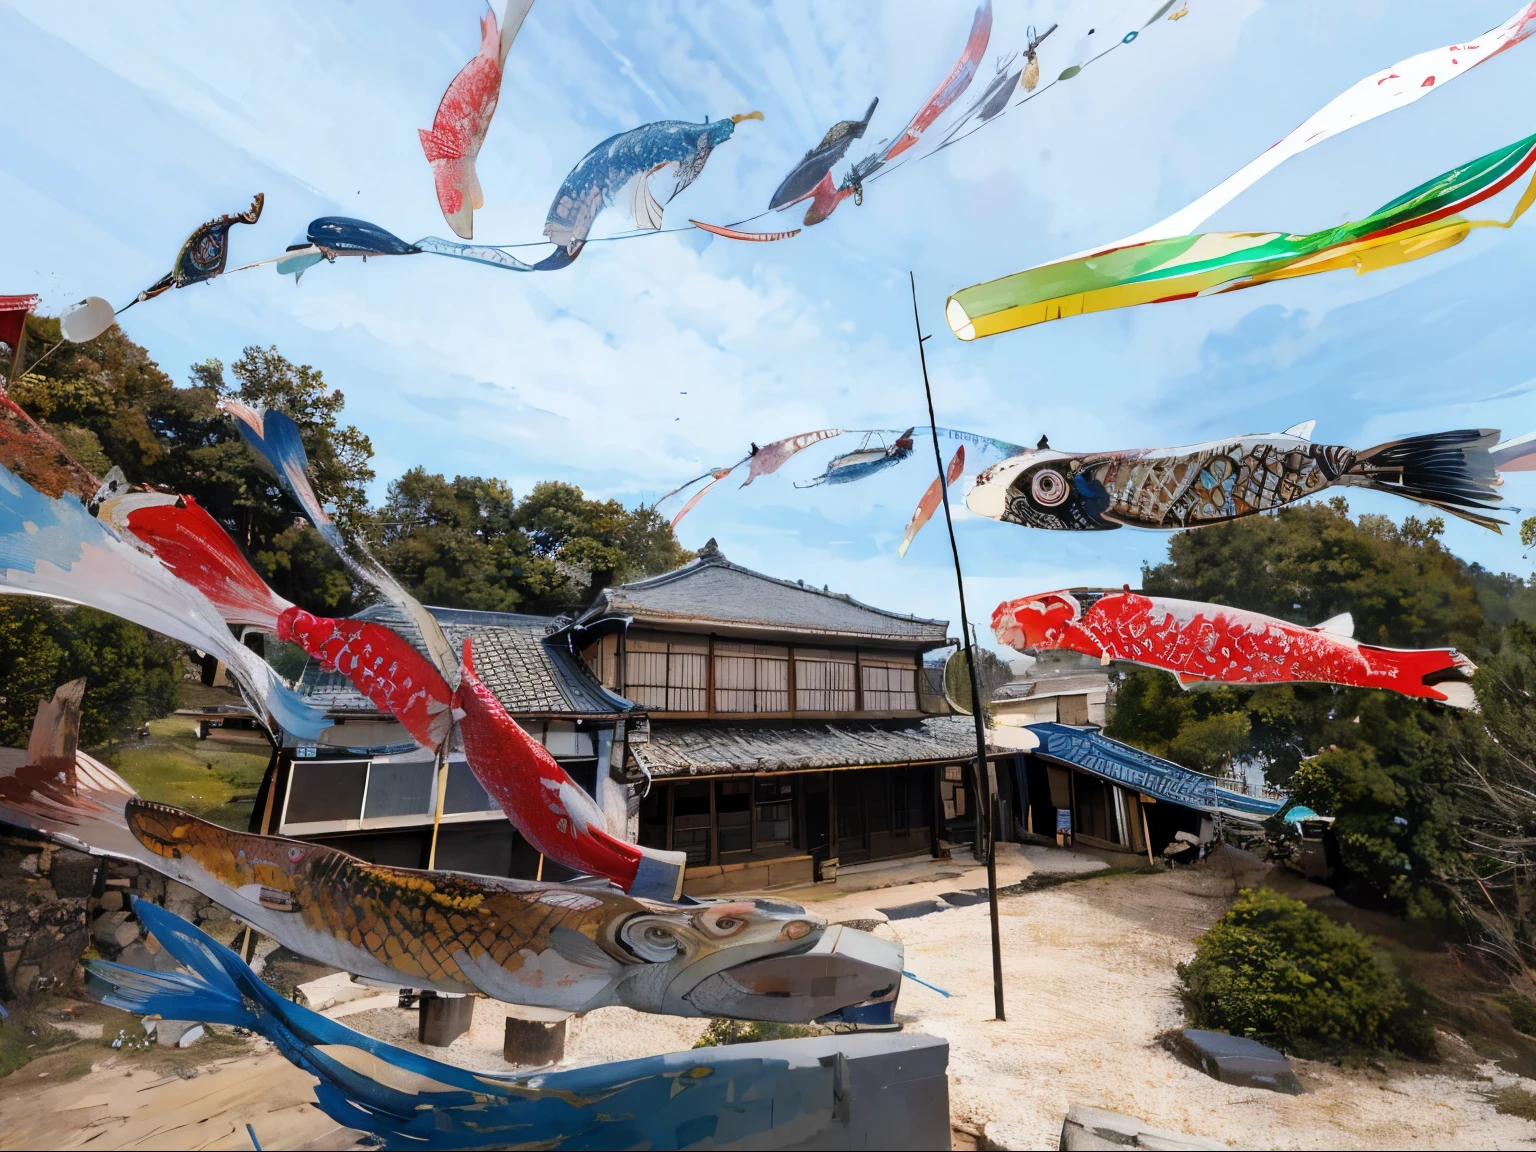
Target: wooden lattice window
x=666, y=675
x=890, y=685
x=751, y=678
x=824, y=681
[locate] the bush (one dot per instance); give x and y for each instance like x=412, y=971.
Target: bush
x=1522, y=1011
x=1276, y=971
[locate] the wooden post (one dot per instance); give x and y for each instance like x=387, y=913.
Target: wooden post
x=714, y=827
x=443, y=1019
x=442, y=796
x=533, y=1043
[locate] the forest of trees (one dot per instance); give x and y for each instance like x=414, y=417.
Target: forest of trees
x=1435, y=809
x=1398, y=774
x=469, y=542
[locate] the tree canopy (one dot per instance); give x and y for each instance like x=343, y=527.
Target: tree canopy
x=467, y=543
x=1383, y=765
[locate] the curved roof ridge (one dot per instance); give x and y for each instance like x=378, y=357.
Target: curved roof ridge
x=711, y=558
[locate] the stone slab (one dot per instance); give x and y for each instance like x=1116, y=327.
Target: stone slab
x=1238, y=1060
x=1095, y=1128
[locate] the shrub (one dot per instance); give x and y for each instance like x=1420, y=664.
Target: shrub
x=1274, y=970
x=1522, y=1011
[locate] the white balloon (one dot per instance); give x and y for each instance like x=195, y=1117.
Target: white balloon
x=87, y=320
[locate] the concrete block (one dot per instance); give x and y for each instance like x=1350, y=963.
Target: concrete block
x=705, y=885
x=748, y=878
x=114, y=930
x=796, y=870
x=1094, y=1128
x=113, y=900
x=329, y=991
x=137, y=955
x=1237, y=1060
x=178, y=1033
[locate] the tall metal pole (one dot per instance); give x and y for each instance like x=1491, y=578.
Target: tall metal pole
x=983, y=778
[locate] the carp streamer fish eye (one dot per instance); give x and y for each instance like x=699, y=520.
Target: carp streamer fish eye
x=1048, y=487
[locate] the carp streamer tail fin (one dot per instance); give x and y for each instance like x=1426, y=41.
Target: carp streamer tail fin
x=364, y=1083
x=193, y=545
x=1453, y=471
x=59, y=791
x=1441, y=674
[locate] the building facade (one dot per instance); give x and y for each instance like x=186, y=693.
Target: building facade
x=367, y=788
x=786, y=728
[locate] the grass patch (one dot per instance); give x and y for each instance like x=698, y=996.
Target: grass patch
x=25, y=1036
x=1514, y=1101
x=209, y=779
x=1522, y=1011
x=72, y=1066
x=721, y=1031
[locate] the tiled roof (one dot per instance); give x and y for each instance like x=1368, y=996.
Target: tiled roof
x=712, y=590
x=529, y=670
x=768, y=746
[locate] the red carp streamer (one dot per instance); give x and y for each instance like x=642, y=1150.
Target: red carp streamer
x=396, y=677
x=1211, y=642
x=548, y=807
x=734, y=234
x=463, y=118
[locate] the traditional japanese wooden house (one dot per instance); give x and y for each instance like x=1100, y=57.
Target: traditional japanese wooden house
x=366, y=787
x=786, y=726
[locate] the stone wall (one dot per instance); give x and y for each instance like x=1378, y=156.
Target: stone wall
x=58, y=905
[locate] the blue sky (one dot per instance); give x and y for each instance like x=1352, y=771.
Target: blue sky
x=649, y=360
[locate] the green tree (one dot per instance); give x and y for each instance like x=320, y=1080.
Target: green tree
x=468, y=543
x=1382, y=764
x=131, y=674
x=1493, y=880
x=110, y=403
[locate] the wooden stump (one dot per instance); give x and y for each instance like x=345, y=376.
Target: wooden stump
x=533, y=1043
x=443, y=1019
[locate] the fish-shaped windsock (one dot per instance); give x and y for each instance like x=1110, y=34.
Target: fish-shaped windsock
x=464, y=116
x=410, y=1100
x=1223, y=480
x=1217, y=644
x=55, y=548
x=548, y=807
x=668, y=149
x=561, y=947
x=826, y=196
x=816, y=164
x=274, y=437
x=379, y=662
x=864, y=461
x=204, y=254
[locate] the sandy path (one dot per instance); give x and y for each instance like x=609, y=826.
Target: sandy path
x=1089, y=978
x=119, y=1106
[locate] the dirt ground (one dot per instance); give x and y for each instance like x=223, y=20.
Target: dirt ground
x=1088, y=961
x=1088, y=971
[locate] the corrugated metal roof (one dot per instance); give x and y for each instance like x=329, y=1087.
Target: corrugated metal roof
x=1050, y=686
x=712, y=590
x=790, y=746
x=529, y=670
